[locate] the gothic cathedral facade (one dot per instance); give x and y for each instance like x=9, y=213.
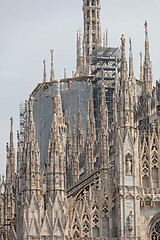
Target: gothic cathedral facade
x=98, y=179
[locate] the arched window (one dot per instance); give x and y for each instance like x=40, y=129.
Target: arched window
x=88, y=38
x=93, y=2
x=97, y=14
x=95, y=232
x=76, y=235
x=87, y=2
x=105, y=227
x=93, y=38
x=93, y=13
x=93, y=26
x=155, y=232
x=88, y=52
x=145, y=182
x=155, y=177
x=88, y=13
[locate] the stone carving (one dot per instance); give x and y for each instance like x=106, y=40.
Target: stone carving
x=129, y=165
x=130, y=221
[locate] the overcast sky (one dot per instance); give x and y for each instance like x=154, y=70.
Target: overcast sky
x=30, y=28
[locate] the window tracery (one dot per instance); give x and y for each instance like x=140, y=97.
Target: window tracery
x=154, y=159
x=155, y=232
x=95, y=215
x=86, y=225
x=76, y=229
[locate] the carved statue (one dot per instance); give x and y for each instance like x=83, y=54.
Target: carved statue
x=130, y=221
x=128, y=167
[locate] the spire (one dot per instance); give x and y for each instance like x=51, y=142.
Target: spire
x=8, y=165
x=69, y=140
x=123, y=60
x=89, y=144
x=75, y=161
x=44, y=73
x=18, y=153
x=116, y=75
x=147, y=55
x=77, y=48
x=80, y=43
x=88, y=123
x=148, y=76
x=92, y=118
x=141, y=68
x=74, y=135
x=79, y=114
x=84, y=57
x=123, y=41
x=12, y=152
x=52, y=78
x=131, y=72
x=27, y=122
x=80, y=137
x=92, y=40
x=104, y=151
x=11, y=133
x=31, y=120
x=106, y=38
x=103, y=108
x=56, y=167
x=65, y=72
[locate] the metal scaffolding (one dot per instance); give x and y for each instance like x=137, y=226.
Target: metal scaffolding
x=103, y=64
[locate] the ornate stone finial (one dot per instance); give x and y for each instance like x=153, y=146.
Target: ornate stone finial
x=18, y=138
x=146, y=28
x=123, y=41
x=74, y=122
x=68, y=116
x=106, y=37
x=11, y=119
x=11, y=133
x=7, y=147
x=131, y=72
x=18, y=135
x=104, y=40
x=52, y=78
x=44, y=74
x=141, y=67
x=65, y=72
x=3, y=179
x=130, y=45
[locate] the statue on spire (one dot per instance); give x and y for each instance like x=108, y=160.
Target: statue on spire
x=52, y=78
x=146, y=28
x=130, y=45
x=44, y=76
x=11, y=119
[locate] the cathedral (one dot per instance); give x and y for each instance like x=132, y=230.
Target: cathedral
x=87, y=164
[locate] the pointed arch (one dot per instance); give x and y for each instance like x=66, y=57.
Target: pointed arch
x=85, y=220
x=76, y=226
x=154, y=227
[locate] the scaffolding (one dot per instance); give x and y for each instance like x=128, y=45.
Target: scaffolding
x=22, y=119
x=103, y=65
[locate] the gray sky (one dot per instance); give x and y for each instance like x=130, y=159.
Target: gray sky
x=29, y=29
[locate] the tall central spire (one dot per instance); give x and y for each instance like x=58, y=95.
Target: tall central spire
x=92, y=27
